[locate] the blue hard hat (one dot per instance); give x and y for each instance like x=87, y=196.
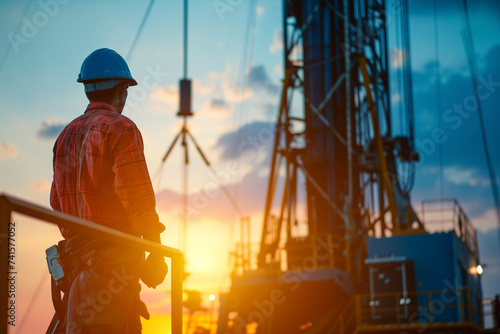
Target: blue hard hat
x=106, y=68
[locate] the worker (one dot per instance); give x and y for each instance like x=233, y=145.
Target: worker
x=100, y=175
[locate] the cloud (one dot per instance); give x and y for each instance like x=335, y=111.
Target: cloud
x=51, y=128
x=169, y=95
x=277, y=42
x=459, y=176
x=246, y=141
x=220, y=106
x=7, y=150
x=204, y=87
x=460, y=156
x=216, y=107
x=209, y=201
x=218, y=86
x=226, y=84
x=235, y=93
x=259, y=79
x=461, y=139
x=486, y=221
x=41, y=185
x=244, y=172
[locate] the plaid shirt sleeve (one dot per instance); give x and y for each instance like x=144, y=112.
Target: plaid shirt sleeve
x=54, y=199
x=132, y=183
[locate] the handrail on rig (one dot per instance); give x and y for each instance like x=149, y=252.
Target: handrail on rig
x=9, y=204
x=448, y=215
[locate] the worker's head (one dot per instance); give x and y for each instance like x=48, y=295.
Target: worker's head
x=106, y=77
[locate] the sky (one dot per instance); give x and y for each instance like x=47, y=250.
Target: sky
x=236, y=68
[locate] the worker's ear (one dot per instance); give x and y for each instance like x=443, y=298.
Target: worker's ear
x=121, y=96
x=122, y=88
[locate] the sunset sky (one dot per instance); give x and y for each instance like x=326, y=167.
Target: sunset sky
x=235, y=62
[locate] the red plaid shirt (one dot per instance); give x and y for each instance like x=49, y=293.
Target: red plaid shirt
x=100, y=173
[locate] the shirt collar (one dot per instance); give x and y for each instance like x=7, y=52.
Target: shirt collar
x=100, y=105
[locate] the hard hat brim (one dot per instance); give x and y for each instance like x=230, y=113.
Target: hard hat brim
x=105, y=64
x=131, y=81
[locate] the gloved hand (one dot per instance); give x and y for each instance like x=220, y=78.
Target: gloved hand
x=154, y=270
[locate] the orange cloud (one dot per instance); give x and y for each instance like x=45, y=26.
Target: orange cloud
x=204, y=87
x=41, y=185
x=7, y=150
x=169, y=95
x=235, y=93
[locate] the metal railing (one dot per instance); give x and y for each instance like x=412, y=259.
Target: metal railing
x=9, y=204
x=420, y=309
x=328, y=244
x=448, y=215
x=429, y=307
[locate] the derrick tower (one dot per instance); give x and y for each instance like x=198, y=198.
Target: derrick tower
x=338, y=222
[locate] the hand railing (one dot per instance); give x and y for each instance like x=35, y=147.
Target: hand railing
x=445, y=215
x=9, y=204
x=420, y=307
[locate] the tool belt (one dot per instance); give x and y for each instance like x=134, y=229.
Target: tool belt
x=62, y=265
x=69, y=257
x=65, y=262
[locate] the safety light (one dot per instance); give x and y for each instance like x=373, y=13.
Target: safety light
x=479, y=269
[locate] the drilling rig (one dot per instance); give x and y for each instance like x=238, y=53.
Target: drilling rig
x=342, y=250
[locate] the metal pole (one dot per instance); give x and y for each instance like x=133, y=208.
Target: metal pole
x=177, y=278
x=185, y=186
x=185, y=37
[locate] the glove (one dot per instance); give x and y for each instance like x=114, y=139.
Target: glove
x=154, y=270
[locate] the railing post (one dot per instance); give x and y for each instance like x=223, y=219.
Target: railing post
x=429, y=297
x=177, y=278
x=358, y=309
x=5, y=216
x=398, y=320
x=469, y=305
x=461, y=305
